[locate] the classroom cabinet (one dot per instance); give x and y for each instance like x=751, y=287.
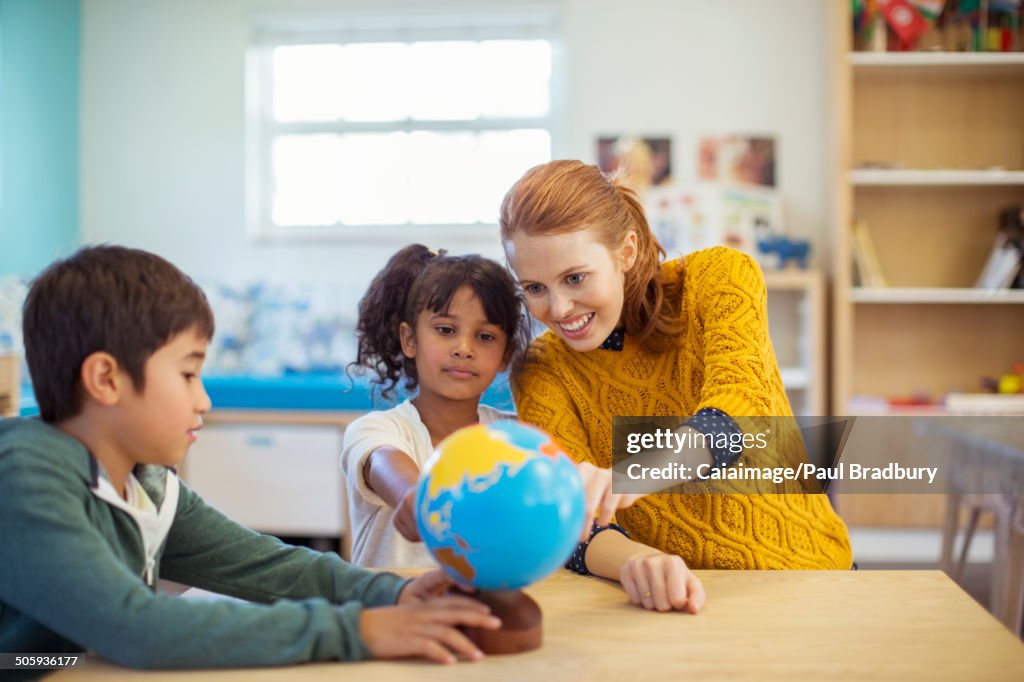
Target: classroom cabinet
x=277, y=478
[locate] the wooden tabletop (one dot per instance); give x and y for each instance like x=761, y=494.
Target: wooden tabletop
x=757, y=624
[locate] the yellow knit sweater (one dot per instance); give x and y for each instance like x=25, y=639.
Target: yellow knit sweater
x=724, y=359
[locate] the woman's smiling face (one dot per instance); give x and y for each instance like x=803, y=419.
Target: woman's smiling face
x=573, y=283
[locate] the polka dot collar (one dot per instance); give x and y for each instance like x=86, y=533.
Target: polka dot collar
x=615, y=341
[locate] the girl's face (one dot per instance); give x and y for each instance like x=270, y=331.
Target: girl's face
x=573, y=282
x=457, y=354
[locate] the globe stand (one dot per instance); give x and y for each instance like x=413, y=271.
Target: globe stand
x=520, y=623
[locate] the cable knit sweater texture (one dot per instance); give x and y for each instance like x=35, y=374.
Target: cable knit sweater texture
x=723, y=359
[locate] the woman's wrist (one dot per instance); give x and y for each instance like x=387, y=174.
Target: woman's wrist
x=694, y=457
x=641, y=551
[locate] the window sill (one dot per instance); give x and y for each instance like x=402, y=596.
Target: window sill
x=476, y=233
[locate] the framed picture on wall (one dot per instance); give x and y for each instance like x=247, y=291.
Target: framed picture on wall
x=644, y=162
x=737, y=159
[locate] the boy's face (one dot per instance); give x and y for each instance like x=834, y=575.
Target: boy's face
x=158, y=424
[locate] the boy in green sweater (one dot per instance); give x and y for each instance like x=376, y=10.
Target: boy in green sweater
x=92, y=513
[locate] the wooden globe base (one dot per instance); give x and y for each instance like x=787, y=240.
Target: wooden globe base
x=520, y=623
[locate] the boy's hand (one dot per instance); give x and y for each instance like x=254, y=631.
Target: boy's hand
x=662, y=582
x=599, y=499
x=428, y=629
x=405, y=517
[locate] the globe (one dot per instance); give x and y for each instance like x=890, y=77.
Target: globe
x=500, y=505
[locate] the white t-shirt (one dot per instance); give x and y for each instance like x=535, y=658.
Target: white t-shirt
x=146, y=513
x=376, y=543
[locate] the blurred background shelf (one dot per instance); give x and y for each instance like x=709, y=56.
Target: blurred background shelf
x=920, y=176
x=796, y=320
x=942, y=63
x=928, y=152
x=915, y=295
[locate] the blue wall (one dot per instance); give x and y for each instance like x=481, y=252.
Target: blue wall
x=40, y=49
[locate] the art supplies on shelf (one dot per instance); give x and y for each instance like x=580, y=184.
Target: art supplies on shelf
x=938, y=25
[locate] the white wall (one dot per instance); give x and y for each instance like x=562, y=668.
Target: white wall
x=695, y=67
x=162, y=115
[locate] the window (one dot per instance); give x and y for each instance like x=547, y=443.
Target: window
x=360, y=129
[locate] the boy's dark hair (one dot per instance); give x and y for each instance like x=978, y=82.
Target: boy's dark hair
x=417, y=279
x=123, y=301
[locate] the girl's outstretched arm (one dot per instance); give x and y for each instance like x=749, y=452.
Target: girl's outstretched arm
x=393, y=474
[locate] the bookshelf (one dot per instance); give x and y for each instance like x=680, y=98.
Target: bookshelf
x=927, y=148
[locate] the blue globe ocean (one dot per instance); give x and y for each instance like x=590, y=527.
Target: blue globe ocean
x=500, y=506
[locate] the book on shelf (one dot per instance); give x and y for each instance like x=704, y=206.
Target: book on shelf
x=865, y=258
x=1003, y=268
x=985, y=403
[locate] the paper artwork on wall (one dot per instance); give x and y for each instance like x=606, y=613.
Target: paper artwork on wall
x=737, y=159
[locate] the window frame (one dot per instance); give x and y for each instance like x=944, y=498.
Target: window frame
x=533, y=23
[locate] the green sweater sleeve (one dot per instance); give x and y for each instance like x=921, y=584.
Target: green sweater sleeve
x=68, y=579
x=208, y=550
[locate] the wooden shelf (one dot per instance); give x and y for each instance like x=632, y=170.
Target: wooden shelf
x=796, y=304
x=863, y=409
x=880, y=177
x=791, y=279
x=938, y=62
x=860, y=407
x=916, y=295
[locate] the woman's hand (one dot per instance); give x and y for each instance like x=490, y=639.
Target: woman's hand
x=599, y=499
x=661, y=582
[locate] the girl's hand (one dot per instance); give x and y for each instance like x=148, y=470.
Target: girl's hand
x=599, y=499
x=661, y=582
x=405, y=517
x=428, y=629
x=425, y=587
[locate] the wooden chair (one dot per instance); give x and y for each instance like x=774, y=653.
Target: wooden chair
x=1006, y=596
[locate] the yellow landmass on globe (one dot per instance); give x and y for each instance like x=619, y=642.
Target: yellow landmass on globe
x=472, y=452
